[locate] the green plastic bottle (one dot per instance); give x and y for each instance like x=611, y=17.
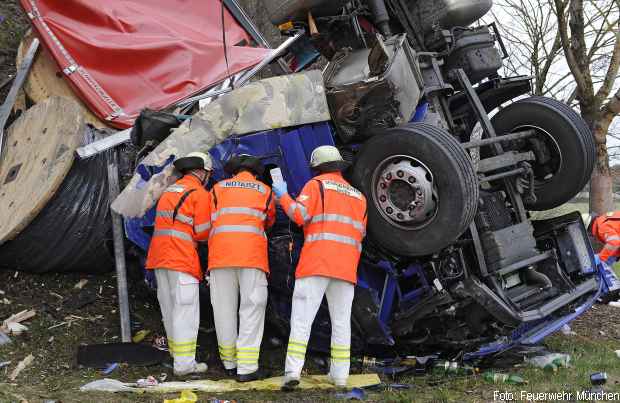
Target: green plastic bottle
x=496, y=377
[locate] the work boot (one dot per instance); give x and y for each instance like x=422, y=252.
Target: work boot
x=289, y=383
x=194, y=368
x=253, y=376
x=231, y=373
x=337, y=382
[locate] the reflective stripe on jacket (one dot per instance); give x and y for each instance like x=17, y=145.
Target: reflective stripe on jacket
x=333, y=214
x=173, y=245
x=606, y=228
x=242, y=209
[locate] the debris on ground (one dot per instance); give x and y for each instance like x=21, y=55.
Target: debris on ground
x=147, y=382
x=140, y=335
x=110, y=368
x=23, y=364
x=101, y=355
x=5, y=364
x=4, y=339
x=228, y=385
x=615, y=304
x=80, y=284
x=15, y=328
x=496, y=377
x=598, y=378
x=187, y=396
x=444, y=367
x=22, y=316
x=550, y=362
x=567, y=331
x=354, y=394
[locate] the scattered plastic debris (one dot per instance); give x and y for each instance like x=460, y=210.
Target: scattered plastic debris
x=598, y=378
x=80, y=284
x=140, y=335
x=108, y=385
x=17, y=318
x=187, y=396
x=496, y=377
x=5, y=301
x=354, y=394
x=5, y=364
x=147, y=382
x=4, y=339
x=160, y=343
x=23, y=364
x=567, y=331
x=550, y=362
x=452, y=368
x=110, y=368
x=16, y=328
x=162, y=377
x=228, y=385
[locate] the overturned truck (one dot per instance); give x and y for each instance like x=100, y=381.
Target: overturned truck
x=452, y=260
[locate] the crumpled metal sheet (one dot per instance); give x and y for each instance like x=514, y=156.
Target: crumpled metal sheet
x=276, y=102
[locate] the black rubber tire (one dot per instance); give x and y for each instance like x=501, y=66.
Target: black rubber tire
x=454, y=175
x=573, y=137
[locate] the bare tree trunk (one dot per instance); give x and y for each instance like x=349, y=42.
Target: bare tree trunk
x=601, y=183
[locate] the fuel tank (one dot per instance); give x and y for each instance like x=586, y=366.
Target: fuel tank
x=447, y=14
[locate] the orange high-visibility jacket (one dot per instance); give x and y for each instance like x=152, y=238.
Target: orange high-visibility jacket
x=606, y=228
x=173, y=245
x=242, y=209
x=333, y=215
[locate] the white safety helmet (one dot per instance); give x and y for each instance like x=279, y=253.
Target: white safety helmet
x=194, y=160
x=327, y=158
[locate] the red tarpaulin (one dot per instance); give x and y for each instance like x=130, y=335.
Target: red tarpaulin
x=121, y=56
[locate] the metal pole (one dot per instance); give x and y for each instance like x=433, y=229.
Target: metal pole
x=119, y=250
x=245, y=77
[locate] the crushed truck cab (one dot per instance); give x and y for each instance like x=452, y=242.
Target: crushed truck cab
x=498, y=285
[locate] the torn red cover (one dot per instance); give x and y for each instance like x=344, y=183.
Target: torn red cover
x=121, y=56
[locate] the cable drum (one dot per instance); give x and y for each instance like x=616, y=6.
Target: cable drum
x=72, y=232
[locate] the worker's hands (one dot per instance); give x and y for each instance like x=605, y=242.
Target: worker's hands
x=280, y=188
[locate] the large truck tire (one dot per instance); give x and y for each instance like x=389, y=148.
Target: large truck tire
x=421, y=188
x=564, y=147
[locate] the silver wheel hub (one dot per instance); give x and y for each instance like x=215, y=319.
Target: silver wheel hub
x=404, y=192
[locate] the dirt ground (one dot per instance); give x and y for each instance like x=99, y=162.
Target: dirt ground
x=67, y=317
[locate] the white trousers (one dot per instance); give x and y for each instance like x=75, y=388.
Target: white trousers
x=239, y=340
x=177, y=293
x=307, y=298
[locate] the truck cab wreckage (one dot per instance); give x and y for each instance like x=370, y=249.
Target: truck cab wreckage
x=452, y=261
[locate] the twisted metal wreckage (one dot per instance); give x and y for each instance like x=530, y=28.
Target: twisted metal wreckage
x=453, y=261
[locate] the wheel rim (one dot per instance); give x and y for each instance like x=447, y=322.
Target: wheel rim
x=542, y=171
x=404, y=192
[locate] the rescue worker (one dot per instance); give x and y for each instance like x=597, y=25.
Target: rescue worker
x=333, y=216
x=606, y=228
x=182, y=219
x=243, y=208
